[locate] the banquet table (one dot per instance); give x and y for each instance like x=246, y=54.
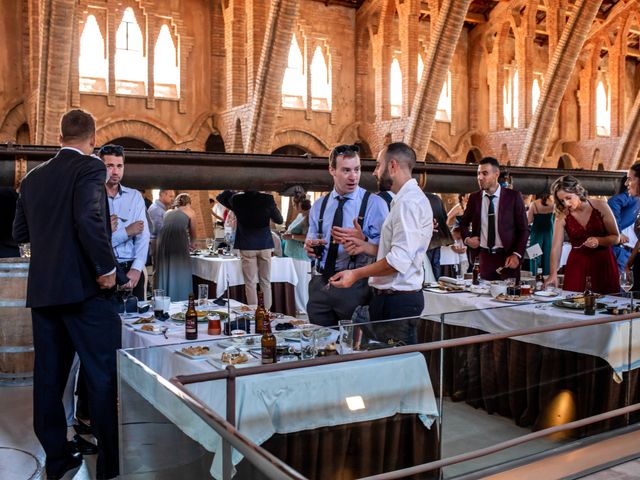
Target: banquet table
x=520, y=377
x=220, y=270
x=281, y=408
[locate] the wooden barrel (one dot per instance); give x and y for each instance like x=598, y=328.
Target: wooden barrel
x=16, y=338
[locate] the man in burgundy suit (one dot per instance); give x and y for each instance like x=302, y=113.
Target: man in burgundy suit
x=495, y=224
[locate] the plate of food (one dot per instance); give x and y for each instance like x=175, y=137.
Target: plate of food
x=144, y=320
x=574, y=303
x=242, y=309
x=480, y=289
x=546, y=293
x=151, y=329
x=233, y=356
x=195, y=352
x=504, y=298
x=202, y=315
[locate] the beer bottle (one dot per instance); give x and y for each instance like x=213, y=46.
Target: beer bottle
x=191, y=321
x=268, y=342
x=261, y=313
x=476, y=273
x=539, y=280
x=589, y=298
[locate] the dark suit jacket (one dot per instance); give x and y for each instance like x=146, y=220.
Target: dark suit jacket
x=513, y=227
x=254, y=211
x=62, y=212
x=442, y=237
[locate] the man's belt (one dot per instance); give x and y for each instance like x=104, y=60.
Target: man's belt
x=390, y=291
x=494, y=251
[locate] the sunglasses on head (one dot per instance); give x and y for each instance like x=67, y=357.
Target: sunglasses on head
x=342, y=149
x=116, y=150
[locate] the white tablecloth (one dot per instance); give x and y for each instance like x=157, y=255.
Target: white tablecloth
x=608, y=341
x=291, y=401
x=218, y=269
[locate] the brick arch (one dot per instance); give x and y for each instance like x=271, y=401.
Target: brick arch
x=302, y=138
x=438, y=152
x=633, y=18
x=144, y=131
x=13, y=120
x=202, y=133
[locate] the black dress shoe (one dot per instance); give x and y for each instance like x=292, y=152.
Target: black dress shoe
x=73, y=460
x=83, y=446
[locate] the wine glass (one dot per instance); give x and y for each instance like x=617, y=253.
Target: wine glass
x=318, y=245
x=227, y=241
x=210, y=243
x=125, y=293
x=626, y=282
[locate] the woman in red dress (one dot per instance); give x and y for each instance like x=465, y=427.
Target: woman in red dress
x=592, y=231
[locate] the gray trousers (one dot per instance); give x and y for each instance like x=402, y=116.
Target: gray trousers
x=326, y=306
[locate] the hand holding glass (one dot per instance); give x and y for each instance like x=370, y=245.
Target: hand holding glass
x=318, y=245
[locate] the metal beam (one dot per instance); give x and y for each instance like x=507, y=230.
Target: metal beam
x=148, y=169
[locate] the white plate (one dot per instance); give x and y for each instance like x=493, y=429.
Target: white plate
x=438, y=290
x=545, y=293
x=503, y=300
x=157, y=330
x=216, y=361
x=195, y=357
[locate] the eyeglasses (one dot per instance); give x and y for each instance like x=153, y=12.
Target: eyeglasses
x=342, y=149
x=111, y=149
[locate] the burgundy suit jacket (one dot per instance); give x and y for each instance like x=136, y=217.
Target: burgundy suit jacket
x=513, y=226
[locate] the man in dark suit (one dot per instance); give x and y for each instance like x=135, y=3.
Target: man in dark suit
x=441, y=234
x=62, y=212
x=498, y=221
x=254, y=212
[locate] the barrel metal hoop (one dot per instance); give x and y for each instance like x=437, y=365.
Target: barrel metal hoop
x=17, y=375
x=16, y=348
x=14, y=266
x=13, y=303
x=14, y=274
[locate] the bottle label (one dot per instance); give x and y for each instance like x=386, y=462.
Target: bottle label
x=268, y=355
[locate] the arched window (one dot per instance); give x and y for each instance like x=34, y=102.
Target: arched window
x=603, y=115
x=166, y=74
x=420, y=67
x=294, y=84
x=510, y=97
x=443, y=113
x=320, y=82
x=130, y=62
x=92, y=64
x=535, y=94
x=395, y=89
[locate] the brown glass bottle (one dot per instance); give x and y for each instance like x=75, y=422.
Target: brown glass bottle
x=191, y=321
x=268, y=342
x=476, y=273
x=589, y=298
x=261, y=313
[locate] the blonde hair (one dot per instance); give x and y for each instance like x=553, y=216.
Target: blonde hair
x=182, y=200
x=569, y=184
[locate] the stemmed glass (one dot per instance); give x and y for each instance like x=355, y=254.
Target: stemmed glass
x=318, y=245
x=227, y=241
x=626, y=282
x=125, y=294
x=210, y=243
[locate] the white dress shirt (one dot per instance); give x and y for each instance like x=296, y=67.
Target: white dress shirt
x=484, y=218
x=406, y=233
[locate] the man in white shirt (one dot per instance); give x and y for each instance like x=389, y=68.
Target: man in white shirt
x=396, y=276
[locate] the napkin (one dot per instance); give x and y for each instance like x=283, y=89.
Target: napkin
x=450, y=280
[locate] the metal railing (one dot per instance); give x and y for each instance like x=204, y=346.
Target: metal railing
x=278, y=469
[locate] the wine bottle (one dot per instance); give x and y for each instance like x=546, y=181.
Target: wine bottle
x=191, y=321
x=261, y=313
x=268, y=342
x=476, y=273
x=589, y=298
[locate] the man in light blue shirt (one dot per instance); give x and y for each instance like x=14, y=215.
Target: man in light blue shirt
x=341, y=208
x=130, y=237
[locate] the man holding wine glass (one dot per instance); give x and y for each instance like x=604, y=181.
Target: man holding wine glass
x=345, y=205
x=130, y=237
